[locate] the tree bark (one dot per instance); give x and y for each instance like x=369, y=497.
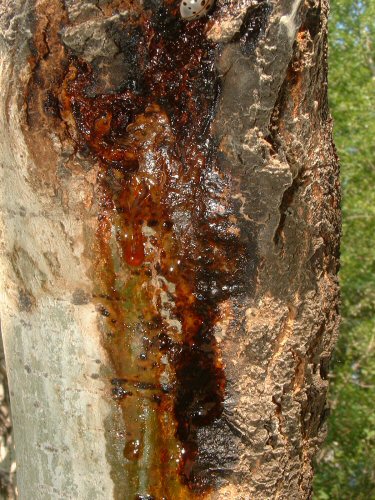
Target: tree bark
x=169, y=250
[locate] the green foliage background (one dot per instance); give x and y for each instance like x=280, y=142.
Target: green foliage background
x=346, y=465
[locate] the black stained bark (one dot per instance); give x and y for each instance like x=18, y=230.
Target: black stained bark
x=194, y=162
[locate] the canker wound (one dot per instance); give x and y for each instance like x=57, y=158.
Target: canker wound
x=169, y=251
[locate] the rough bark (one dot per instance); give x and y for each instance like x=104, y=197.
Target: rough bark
x=168, y=257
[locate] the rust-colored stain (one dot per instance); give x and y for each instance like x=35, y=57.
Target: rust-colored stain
x=168, y=250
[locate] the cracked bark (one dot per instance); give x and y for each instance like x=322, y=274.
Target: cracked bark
x=278, y=189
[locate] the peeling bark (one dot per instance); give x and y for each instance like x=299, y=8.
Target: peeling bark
x=169, y=256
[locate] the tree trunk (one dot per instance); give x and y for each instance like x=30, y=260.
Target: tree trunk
x=169, y=250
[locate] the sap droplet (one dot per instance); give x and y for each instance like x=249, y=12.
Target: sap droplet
x=132, y=450
x=134, y=252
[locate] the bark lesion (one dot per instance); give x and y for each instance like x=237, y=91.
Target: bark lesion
x=167, y=235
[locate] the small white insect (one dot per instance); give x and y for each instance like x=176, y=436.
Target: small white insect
x=194, y=9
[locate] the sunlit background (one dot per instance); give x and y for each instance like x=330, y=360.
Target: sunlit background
x=346, y=465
